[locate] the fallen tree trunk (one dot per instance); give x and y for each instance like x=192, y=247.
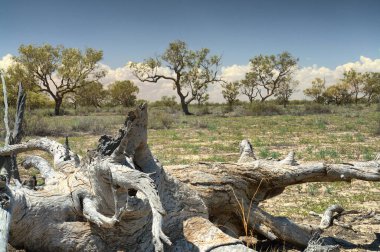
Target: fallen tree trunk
x=119, y=198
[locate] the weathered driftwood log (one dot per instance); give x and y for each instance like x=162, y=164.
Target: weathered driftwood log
x=119, y=198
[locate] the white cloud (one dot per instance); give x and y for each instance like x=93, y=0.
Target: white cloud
x=148, y=91
x=304, y=75
x=6, y=61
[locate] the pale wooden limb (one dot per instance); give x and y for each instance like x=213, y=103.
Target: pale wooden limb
x=6, y=203
x=129, y=178
x=10, y=163
x=5, y=197
x=207, y=237
x=51, y=177
x=54, y=148
x=327, y=218
x=134, y=134
x=283, y=228
x=316, y=245
x=19, y=118
x=6, y=120
x=92, y=215
x=289, y=160
x=246, y=152
x=265, y=231
x=126, y=178
x=158, y=234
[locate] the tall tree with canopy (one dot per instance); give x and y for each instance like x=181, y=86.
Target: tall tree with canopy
x=230, y=92
x=316, y=90
x=355, y=81
x=92, y=94
x=338, y=93
x=189, y=71
x=269, y=72
x=249, y=86
x=57, y=71
x=286, y=90
x=123, y=93
x=371, y=87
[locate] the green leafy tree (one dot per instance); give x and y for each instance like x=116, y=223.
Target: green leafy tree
x=286, y=90
x=270, y=72
x=35, y=99
x=92, y=94
x=316, y=91
x=202, y=96
x=249, y=86
x=38, y=100
x=11, y=90
x=123, y=93
x=355, y=81
x=371, y=87
x=230, y=91
x=339, y=94
x=57, y=71
x=190, y=71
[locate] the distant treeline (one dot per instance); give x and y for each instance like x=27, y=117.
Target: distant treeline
x=56, y=76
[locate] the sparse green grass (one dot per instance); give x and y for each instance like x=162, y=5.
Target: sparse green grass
x=345, y=134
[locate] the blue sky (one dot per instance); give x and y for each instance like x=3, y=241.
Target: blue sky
x=325, y=33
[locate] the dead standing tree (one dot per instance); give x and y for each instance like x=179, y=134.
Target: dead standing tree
x=9, y=164
x=120, y=198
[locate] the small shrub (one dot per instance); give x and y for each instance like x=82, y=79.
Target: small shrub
x=312, y=189
x=37, y=126
x=82, y=125
x=200, y=124
x=315, y=108
x=264, y=153
x=377, y=128
x=203, y=110
x=264, y=109
x=368, y=154
x=212, y=127
x=161, y=120
x=329, y=190
x=321, y=124
x=325, y=153
x=360, y=137
x=275, y=155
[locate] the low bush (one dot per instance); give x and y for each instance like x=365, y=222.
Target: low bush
x=203, y=110
x=161, y=120
x=40, y=126
x=377, y=128
x=316, y=108
x=264, y=109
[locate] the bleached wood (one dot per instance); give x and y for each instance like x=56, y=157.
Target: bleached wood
x=47, y=172
x=290, y=159
x=327, y=217
x=6, y=203
x=246, y=152
x=6, y=120
x=57, y=150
